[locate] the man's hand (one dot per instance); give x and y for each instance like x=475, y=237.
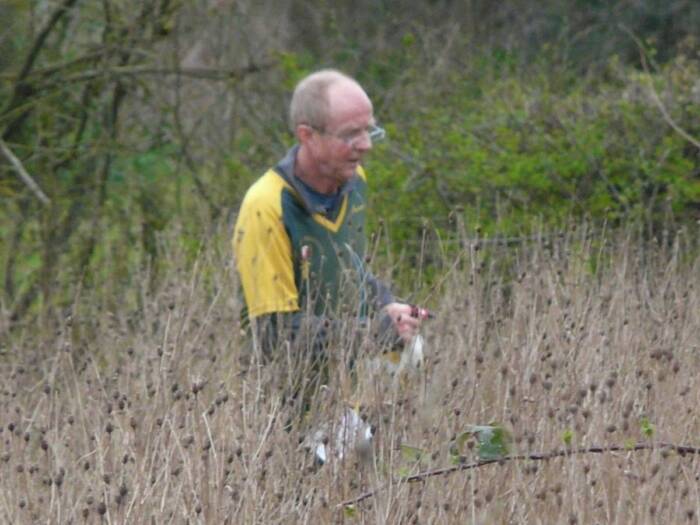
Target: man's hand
x=406, y=319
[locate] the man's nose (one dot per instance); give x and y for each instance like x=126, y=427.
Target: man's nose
x=364, y=143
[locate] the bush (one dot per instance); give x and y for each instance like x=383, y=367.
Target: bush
x=510, y=151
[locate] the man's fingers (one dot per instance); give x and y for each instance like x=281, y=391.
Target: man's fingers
x=408, y=328
x=406, y=318
x=420, y=313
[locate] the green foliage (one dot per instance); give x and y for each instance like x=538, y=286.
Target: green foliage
x=513, y=138
x=511, y=151
x=568, y=437
x=294, y=67
x=350, y=511
x=494, y=442
x=411, y=454
x=646, y=427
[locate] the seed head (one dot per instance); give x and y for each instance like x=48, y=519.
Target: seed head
x=198, y=385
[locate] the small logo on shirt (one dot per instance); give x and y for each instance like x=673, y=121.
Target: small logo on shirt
x=357, y=208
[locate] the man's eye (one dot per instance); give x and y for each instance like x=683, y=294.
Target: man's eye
x=352, y=135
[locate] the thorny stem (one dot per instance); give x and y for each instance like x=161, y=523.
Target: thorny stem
x=537, y=456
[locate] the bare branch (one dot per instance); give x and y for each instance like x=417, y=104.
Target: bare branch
x=22, y=90
x=655, y=94
x=58, y=67
x=203, y=73
x=664, y=112
x=422, y=476
x=41, y=38
x=26, y=178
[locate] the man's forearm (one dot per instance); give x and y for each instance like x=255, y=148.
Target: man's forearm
x=381, y=294
x=316, y=333
x=300, y=328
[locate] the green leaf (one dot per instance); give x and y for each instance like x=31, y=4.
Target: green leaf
x=455, y=459
x=350, y=511
x=408, y=40
x=567, y=436
x=494, y=441
x=646, y=427
x=413, y=454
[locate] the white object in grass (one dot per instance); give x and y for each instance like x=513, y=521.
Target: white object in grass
x=350, y=433
x=407, y=360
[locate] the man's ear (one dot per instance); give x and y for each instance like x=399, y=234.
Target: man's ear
x=303, y=133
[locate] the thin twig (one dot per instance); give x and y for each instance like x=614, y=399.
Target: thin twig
x=26, y=178
x=271, y=419
x=422, y=476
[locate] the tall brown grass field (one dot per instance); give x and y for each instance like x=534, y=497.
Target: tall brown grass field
x=144, y=404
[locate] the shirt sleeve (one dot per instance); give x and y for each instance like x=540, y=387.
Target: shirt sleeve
x=263, y=252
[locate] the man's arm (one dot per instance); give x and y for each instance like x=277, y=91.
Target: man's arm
x=275, y=329
x=396, y=320
x=263, y=251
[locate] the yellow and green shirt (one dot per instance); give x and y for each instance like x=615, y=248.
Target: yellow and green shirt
x=300, y=254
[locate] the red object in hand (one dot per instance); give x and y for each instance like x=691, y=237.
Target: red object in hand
x=420, y=313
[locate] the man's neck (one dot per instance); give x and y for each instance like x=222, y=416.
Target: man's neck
x=305, y=170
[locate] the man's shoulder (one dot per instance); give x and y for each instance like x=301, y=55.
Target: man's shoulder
x=266, y=190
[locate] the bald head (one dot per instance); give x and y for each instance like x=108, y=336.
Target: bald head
x=314, y=95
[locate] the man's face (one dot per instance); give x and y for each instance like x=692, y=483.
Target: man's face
x=339, y=148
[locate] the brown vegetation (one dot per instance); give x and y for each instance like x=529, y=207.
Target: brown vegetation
x=157, y=413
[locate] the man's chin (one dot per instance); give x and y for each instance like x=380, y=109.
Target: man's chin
x=348, y=172
x=352, y=167
x=345, y=172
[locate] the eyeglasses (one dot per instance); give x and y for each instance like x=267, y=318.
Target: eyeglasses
x=351, y=138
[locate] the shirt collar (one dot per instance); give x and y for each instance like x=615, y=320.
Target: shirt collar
x=285, y=168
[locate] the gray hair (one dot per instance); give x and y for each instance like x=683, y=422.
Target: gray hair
x=310, y=99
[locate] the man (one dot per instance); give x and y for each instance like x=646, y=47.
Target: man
x=299, y=241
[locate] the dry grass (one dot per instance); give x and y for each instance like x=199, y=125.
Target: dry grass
x=154, y=417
